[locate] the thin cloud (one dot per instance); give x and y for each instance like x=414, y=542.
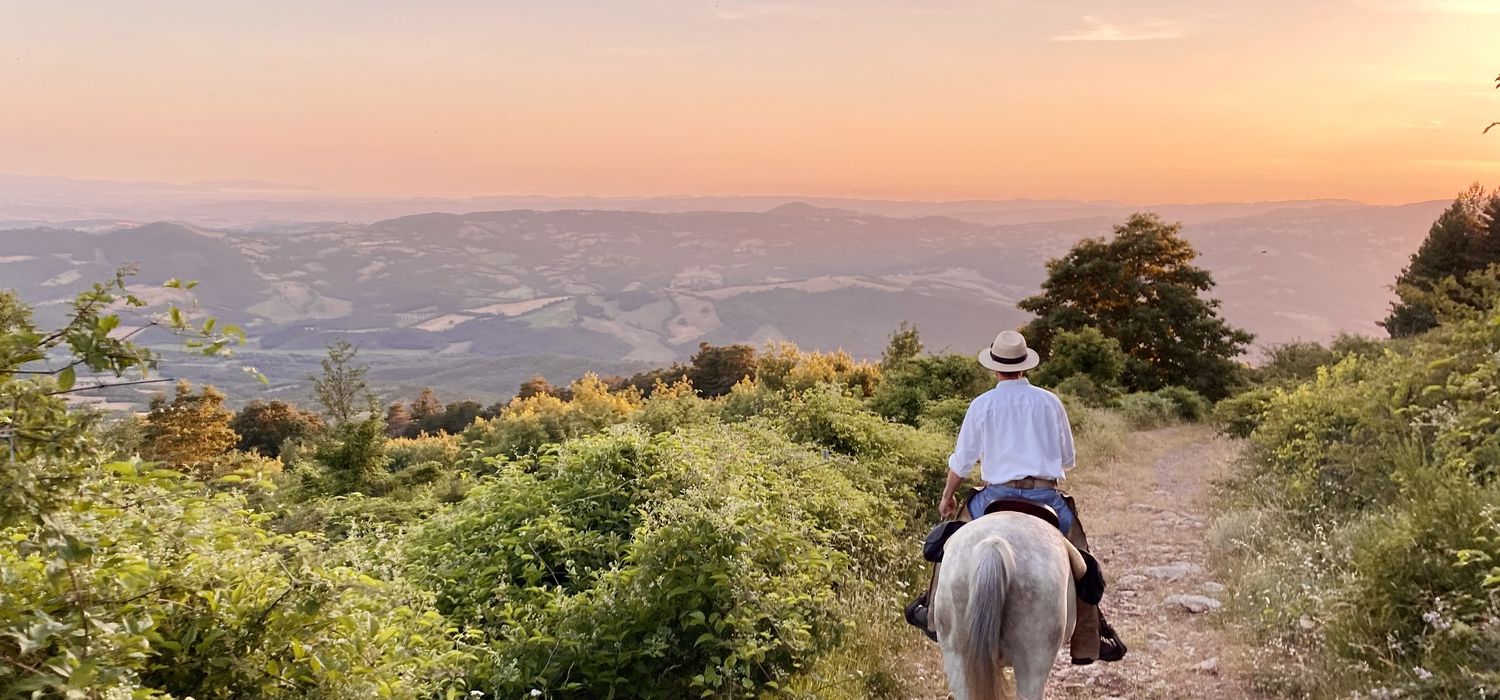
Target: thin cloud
x=1459, y=164
x=1100, y=30
x=1456, y=7
x=735, y=11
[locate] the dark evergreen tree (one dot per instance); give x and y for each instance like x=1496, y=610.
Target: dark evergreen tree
x=1465, y=239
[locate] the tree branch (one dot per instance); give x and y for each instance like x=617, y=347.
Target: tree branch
x=109, y=386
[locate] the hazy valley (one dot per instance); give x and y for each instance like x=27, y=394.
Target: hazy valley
x=429, y=297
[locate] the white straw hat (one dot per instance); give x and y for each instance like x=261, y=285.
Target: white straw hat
x=1009, y=354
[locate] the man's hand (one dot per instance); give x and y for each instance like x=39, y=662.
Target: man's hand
x=948, y=506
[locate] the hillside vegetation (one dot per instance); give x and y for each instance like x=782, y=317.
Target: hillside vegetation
x=589, y=541
x=1363, y=537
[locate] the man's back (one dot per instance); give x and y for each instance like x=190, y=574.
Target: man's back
x=1014, y=430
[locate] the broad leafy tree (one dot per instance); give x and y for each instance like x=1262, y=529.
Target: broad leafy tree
x=717, y=368
x=1141, y=288
x=264, y=425
x=191, y=429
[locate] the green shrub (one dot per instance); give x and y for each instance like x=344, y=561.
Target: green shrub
x=1090, y=392
x=907, y=464
x=353, y=458
x=905, y=391
x=1375, y=486
x=1188, y=405
x=525, y=425
x=1086, y=352
x=1292, y=363
x=1239, y=415
x=1143, y=411
x=675, y=406
x=945, y=416
x=749, y=399
x=406, y=452
x=165, y=590
x=701, y=562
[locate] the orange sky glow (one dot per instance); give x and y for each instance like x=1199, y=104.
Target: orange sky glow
x=1162, y=100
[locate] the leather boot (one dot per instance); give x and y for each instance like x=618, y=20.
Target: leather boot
x=916, y=616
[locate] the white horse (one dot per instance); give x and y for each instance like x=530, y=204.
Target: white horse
x=1005, y=597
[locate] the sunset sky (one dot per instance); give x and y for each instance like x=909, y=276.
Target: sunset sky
x=1152, y=101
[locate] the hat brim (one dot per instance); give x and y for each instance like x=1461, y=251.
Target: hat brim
x=1032, y=360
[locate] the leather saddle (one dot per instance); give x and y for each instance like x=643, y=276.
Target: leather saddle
x=932, y=546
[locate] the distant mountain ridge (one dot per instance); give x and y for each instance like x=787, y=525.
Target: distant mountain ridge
x=642, y=288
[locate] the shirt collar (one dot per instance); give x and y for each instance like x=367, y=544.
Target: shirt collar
x=1018, y=381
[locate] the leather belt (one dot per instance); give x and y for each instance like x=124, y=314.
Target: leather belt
x=1030, y=482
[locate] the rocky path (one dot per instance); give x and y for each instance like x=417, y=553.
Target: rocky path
x=1146, y=515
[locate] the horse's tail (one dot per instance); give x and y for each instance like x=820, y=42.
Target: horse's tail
x=986, y=609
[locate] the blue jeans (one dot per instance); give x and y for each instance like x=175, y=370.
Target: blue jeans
x=1051, y=497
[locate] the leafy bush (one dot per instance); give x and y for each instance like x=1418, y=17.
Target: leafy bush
x=1188, y=405
x=1239, y=415
x=405, y=453
x=1085, y=352
x=1375, y=483
x=675, y=406
x=526, y=424
x=1293, y=362
x=782, y=366
x=353, y=458
x=1146, y=411
x=700, y=562
x=1091, y=393
x=945, y=416
x=166, y=590
x=905, y=392
x=749, y=399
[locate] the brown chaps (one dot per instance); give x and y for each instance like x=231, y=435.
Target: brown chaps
x=1085, y=641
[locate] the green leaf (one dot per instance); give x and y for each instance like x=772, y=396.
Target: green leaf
x=66, y=378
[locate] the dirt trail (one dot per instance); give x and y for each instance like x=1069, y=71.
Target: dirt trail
x=1146, y=515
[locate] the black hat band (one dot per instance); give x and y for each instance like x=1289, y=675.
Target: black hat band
x=1008, y=360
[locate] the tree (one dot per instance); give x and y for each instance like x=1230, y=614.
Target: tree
x=904, y=345
x=342, y=389
x=455, y=417
x=906, y=392
x=1086, y=352
x=1464, y=239
x=537, y=386
x=1493, y=124
x=354, y=455
x=1141, y=289
x=264, y=425
x=426, y=409
x=398, y=421
x=190, y=430
x=716, y=369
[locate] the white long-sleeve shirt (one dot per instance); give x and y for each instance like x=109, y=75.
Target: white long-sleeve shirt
x=1014, y=430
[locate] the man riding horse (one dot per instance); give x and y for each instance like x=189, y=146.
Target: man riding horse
x=1020, y=437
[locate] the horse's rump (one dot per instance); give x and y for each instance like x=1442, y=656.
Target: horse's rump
x=1005, y=598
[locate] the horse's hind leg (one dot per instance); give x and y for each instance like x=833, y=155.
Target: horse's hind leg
x=1031, y=669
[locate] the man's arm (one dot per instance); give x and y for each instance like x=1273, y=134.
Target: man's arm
x=1065, y=430
x=961, y=462
x=949, y=504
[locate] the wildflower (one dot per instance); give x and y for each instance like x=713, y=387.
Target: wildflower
x=1422, y=673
